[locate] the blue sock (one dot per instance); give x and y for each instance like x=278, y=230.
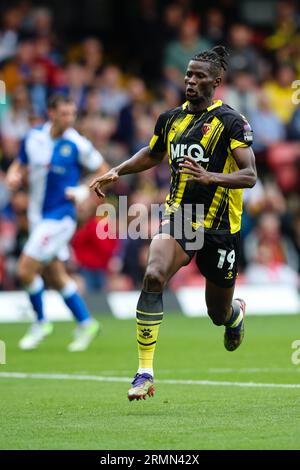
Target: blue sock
x=36, y=292
x=75, y=302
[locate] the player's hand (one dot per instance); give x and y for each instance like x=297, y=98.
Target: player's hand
x=77, y=194
x=98, y=183
x=13, y=180
x=196, y=172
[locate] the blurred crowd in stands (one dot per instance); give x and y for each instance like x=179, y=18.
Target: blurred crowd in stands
x=118, y=104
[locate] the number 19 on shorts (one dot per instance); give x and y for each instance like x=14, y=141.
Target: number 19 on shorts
x=228, y=257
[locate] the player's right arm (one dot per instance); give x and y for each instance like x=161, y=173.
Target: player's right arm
x=144, y=159
x=17, y=170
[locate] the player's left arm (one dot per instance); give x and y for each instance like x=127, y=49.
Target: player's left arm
x=91, y=160
x=244, y=177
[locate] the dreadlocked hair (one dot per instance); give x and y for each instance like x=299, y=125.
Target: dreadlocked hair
x=216, y=56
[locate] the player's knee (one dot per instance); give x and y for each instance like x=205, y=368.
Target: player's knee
x=53, y=279
x=154, y=279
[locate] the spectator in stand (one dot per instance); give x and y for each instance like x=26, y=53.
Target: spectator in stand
x=92, y=253
x=293, y=128
x=269, y=263
x=146, y=52
x=7, y=237
x=100, y=129
x=92, y=107
x=264, y=197
x=265, y=269
x=280, y=93
x=267, y=127
x=15, y=122
x=39, y=90
x=214, y=26
x=14, y=234
x=76, y=85
x=17, y=70
x=274, y=200
x=143, y=135
x=178, y=53
x=133, y=261
x=130, y=114
x=46, y=57
x=112, y=95
x=286, y=30
x=92, y=58
x=279, y=249
x=243, y=55
x=134, y=253
x=242, y=93
x=170, y=96
x=42, y=22
x=9, y=33
x=173, y=18
x=253, y=205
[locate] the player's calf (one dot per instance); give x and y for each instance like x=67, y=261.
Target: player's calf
x=219, y=315
x=154, y=279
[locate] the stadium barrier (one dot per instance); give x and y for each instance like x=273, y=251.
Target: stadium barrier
x=190, y=301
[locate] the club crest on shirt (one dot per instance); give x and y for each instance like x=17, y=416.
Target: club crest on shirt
x=66, y=150
x=206, y=128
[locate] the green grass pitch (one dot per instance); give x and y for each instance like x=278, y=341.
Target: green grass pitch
x=54, y=413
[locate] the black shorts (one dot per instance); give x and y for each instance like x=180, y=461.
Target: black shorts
x=218, y=258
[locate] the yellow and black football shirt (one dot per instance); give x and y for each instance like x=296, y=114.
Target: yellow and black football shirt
x=209, y=137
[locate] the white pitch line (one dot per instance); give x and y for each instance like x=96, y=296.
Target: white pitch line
x=220, y=370
x=97, y=378
x=251, y=370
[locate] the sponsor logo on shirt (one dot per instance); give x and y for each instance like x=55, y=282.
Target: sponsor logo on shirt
x=66, y=150
x=195, y=151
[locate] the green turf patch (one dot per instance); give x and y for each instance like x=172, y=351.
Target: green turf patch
x=73, y=414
